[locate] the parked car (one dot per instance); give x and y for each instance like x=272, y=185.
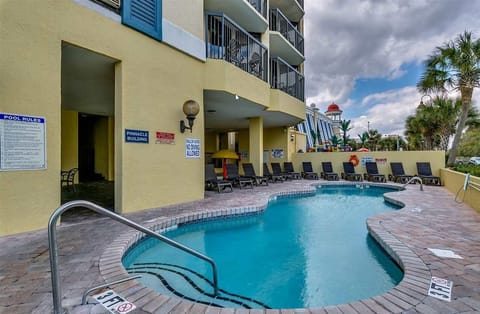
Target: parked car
x=474, y=161
x=461, y=160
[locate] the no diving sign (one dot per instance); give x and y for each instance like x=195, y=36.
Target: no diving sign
x=114, y=303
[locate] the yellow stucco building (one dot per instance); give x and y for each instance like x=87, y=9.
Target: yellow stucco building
x=100, y=85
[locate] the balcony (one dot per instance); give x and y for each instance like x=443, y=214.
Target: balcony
x=285, y=78
x=260, y=6
x=228, y=41
x=251, y=15
x=285, y=39
x=293, y=9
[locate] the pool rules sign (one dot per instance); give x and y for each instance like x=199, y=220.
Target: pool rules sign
x=440, y=288
x=22, y=142
x=114, y=303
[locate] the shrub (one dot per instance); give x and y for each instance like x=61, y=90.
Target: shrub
x=473, y=170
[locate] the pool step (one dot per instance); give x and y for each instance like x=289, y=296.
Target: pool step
x=181, y=282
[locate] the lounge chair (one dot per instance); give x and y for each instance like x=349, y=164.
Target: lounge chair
x=211, y=180
x=425, y=173
x=288, y=167
x=277, y=170
x=236, y=179
x=349, y=173
x=372, y=172
x=327, y=172
x=249, y=172
x=271, y=177
x=398, y=174
x=308, y=172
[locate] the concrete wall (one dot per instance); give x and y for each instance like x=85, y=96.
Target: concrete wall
x=150, y=88
x=454, y=182
x=283, y=102
x=152, y=80
x=383, y=159
x=273, y=138
x=276, y=138
x=223, y=76
x=187, y=14
x=101, y=146
x=69, y=131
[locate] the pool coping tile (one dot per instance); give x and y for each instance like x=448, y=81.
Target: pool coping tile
x=404, y=234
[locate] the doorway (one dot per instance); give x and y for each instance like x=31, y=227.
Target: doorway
x=88, y=132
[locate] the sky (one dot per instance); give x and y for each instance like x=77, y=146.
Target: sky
x=367, y=55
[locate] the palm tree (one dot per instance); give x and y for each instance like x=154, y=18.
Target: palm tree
x=428, y=122
x=447, y=113
x=363, y=138
x=373, y=138
x=413, y=133
x=345, y=127
x=334, y=140
x=391, y=143
x=433, y=125
x=455, y=65
x=470, y=144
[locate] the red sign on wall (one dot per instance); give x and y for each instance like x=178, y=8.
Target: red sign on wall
x=165, y=138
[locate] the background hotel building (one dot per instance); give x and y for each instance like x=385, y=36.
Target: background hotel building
x=96, y=76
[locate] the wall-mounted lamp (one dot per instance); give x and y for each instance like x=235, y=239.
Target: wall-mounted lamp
x=292, y=137
x=190, y=109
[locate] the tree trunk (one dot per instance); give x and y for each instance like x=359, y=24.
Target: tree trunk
x=466, y=93
x=444, y=137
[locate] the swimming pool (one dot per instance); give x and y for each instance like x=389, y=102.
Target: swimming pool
x=301, y=252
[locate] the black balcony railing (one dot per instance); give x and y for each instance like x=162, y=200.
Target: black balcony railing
x=260, y=6
x=228, y=41
x=279, y=23
x=284, y=77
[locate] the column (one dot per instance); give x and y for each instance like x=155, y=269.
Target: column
x=256, y=144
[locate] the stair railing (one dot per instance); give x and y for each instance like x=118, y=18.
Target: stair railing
x=414, y=179
x=53, y=250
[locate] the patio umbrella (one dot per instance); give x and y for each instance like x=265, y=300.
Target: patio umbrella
x=225, y=154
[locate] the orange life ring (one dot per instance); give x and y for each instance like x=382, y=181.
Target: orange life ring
x=354, y=160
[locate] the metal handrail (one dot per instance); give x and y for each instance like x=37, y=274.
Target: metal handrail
x=474, y=185
x=53, y=250
x=227, y=40
x=260, y=6
x=288, y=80
x=414, y=179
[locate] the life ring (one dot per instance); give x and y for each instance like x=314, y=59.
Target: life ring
x=354, y=160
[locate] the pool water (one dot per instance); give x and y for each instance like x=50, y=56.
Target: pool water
x=301, y=252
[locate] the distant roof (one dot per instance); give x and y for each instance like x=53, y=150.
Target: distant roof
x=333, y=107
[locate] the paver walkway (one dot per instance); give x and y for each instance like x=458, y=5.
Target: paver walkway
x=430, y=219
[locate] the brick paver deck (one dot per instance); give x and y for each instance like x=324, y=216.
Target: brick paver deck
x=89, y=249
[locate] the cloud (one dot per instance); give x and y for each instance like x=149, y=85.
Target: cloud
x=351, y=39
x=387, y=111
